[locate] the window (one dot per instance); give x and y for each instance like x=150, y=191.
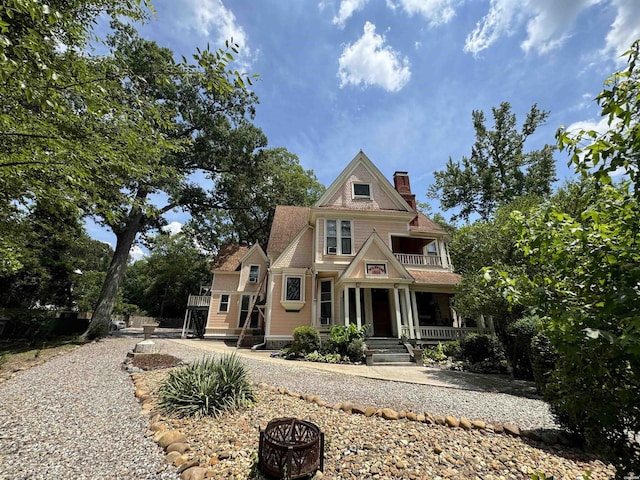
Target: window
x=294, y=289
x=338, y=237
x=224, y=303
x=432, y=248
x=362, y=190
x=293, y=285
x=244, y=311
x=326, y=302
x=376, y=270
x=254, y=273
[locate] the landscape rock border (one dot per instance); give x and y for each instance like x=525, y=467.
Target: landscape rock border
x=177, y=449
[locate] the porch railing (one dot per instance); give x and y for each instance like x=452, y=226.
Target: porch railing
x=443, y=333
x=414, y=259
x=199, y=301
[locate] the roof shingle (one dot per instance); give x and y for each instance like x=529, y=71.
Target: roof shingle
x=287, y=222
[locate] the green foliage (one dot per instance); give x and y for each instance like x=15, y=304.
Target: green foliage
x=347, y=341
x=543, y=361
x=452, y=349
x=208, y=387
x=306, y=340
x=323, y=357
x=519, y=336
x=476, y=348
x=434, y=354
x=498, y=170
x=586, y=286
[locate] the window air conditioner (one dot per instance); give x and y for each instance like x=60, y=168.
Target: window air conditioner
x=332, y=250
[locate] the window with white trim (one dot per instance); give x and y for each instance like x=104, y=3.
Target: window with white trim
x=254, y=273
x=361, y=191
x=224, y=303
x=338, y=237
x=244, y=311
x=293, y=285
x=326, y=302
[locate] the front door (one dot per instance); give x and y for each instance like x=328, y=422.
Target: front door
x=381, y=312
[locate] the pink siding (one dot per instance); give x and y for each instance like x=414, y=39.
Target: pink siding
x=282, y=322
x=375, y=254
x=379, y=200
x=224, y=320
x=255, y=258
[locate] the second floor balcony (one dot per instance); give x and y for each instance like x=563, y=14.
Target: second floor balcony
x=412, y=259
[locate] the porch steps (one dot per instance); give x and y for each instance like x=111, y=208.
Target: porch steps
x=388, y=351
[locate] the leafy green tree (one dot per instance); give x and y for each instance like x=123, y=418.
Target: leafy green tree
x=160, y=284
x=586, y=284
x=277, y=178
x=499, y=169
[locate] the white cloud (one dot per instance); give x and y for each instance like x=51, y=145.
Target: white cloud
x=437, y=12
x=549, y=23
x=136, y=253
x=625, y=29
x=173, y=228
x=600, y=126
x=347, y=8
x=369, y=62
x=211, y=17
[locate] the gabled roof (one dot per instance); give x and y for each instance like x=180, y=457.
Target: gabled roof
x=229, y=257
x=361, y=160
x=287, y=222
x=425, y=224
x=375, y=240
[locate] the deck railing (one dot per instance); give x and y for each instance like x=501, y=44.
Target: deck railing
x=199, y=301
x=414, y=259
x=443, y=333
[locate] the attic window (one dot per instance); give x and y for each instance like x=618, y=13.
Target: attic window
x=362, y=190
x=254, y=273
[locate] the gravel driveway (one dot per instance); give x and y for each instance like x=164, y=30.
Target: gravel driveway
x=76, y=416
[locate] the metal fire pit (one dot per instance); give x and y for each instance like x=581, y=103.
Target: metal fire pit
x=291, y=448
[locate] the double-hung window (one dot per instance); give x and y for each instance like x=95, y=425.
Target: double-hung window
x=326, y=302
x=254, y=273
x=224, y=303
x=338, y=239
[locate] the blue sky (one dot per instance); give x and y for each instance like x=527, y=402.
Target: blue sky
x=399, y=78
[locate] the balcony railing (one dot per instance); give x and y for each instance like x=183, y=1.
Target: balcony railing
x=199, y=301
x=413, y=259
x=443, y=333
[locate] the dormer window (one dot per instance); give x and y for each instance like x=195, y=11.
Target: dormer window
x=254, y=273
x=362, y=191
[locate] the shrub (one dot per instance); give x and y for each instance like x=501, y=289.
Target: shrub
x=207, y=387
x=347, y=341
x=452, y=350
x=483, y=353
x=520, y=334
x=305, y=340
x=323, y=358
x=434, y=354
x=543, y=360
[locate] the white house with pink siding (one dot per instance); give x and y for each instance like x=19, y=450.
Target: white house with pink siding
x=362, y=254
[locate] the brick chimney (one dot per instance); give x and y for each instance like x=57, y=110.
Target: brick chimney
x=403, y=187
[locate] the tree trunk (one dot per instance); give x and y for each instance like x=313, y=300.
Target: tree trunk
x=101, y=318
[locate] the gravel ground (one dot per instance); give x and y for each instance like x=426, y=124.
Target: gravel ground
x=75, y=417
x=294, y=376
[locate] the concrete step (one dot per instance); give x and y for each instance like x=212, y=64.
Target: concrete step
x=379, y=358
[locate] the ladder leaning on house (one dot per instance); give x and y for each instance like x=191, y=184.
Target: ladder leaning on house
x=252, y=305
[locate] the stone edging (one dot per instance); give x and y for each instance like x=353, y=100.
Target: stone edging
x=176, y=445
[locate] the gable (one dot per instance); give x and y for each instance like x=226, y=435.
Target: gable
x=287, y=223
x=362, y=170
x=374, y=251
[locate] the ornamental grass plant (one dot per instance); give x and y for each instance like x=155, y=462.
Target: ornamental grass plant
x=208, y=387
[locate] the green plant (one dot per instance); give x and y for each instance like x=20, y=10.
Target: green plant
x=305, y=340
x=323, y=358
x=434, y=354
x=483, y=354
x=207, y=387
x=519, y=335
x=543, y=360
x=347, y=341
x=452, y=350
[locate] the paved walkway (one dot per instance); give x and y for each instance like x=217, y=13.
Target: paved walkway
x=401, y=373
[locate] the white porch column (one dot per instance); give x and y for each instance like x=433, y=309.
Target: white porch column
x=345, y=293
x=409, y=312
x=368, y=309
x=396, y=299
x=443, y=254
x=416, y=317
x=358, y=307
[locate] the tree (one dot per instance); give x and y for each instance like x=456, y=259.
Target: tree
x=160, y=284
x=586, y=283
x=276, y=179
x=498, y=170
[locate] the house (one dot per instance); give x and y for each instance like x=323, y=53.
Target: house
x=362, y=254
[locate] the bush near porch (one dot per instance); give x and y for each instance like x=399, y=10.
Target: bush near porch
x=343, y=344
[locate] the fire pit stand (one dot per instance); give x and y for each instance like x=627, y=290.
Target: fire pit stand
x=291, y=448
